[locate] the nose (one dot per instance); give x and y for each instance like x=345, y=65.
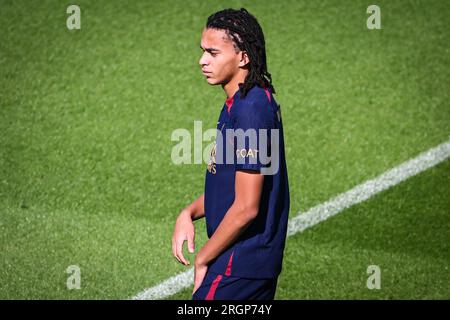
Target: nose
x=203, y=61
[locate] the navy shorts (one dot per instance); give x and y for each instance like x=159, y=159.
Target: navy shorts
x=222, y=287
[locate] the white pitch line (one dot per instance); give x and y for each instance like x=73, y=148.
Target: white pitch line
x=319, y=213
x=369, y=188
x=168, y=287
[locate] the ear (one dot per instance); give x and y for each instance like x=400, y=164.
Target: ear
x=244, y=59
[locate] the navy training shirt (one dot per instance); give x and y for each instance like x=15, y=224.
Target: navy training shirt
x=258, y=252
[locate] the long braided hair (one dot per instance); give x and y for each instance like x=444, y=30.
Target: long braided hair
x=247, y=35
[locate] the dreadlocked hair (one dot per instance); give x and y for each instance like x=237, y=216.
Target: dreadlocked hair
x=247, y=35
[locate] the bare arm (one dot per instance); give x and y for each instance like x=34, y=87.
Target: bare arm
x=185, y=230
x=197, y=208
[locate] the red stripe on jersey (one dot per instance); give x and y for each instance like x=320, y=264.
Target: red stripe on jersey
x=229, y=103
x=212, y=290
x=267, y=93
x=230, y=262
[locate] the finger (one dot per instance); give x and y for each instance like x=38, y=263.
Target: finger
x=180, y=252
x=174, y=250
x=191, y=242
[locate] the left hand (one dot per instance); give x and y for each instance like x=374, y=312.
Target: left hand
x=200, y=270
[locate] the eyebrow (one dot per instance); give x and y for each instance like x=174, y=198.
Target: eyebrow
x=210, y=50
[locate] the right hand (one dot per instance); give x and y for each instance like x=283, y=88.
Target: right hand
x=184, y=231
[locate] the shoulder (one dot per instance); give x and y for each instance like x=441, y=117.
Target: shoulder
x=255, y=103
x=253, y=111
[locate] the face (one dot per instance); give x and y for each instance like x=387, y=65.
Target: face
x=220, y=61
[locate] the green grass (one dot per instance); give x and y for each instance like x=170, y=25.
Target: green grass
x=86, y=117
x=403, y=230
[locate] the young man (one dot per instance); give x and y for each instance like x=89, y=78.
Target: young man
x=246, y=201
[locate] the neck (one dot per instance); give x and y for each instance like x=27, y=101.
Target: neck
x=232, y=86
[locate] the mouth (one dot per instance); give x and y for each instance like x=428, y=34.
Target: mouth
x=206, y=73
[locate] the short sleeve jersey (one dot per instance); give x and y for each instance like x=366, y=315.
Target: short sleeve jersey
x=250, y=137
